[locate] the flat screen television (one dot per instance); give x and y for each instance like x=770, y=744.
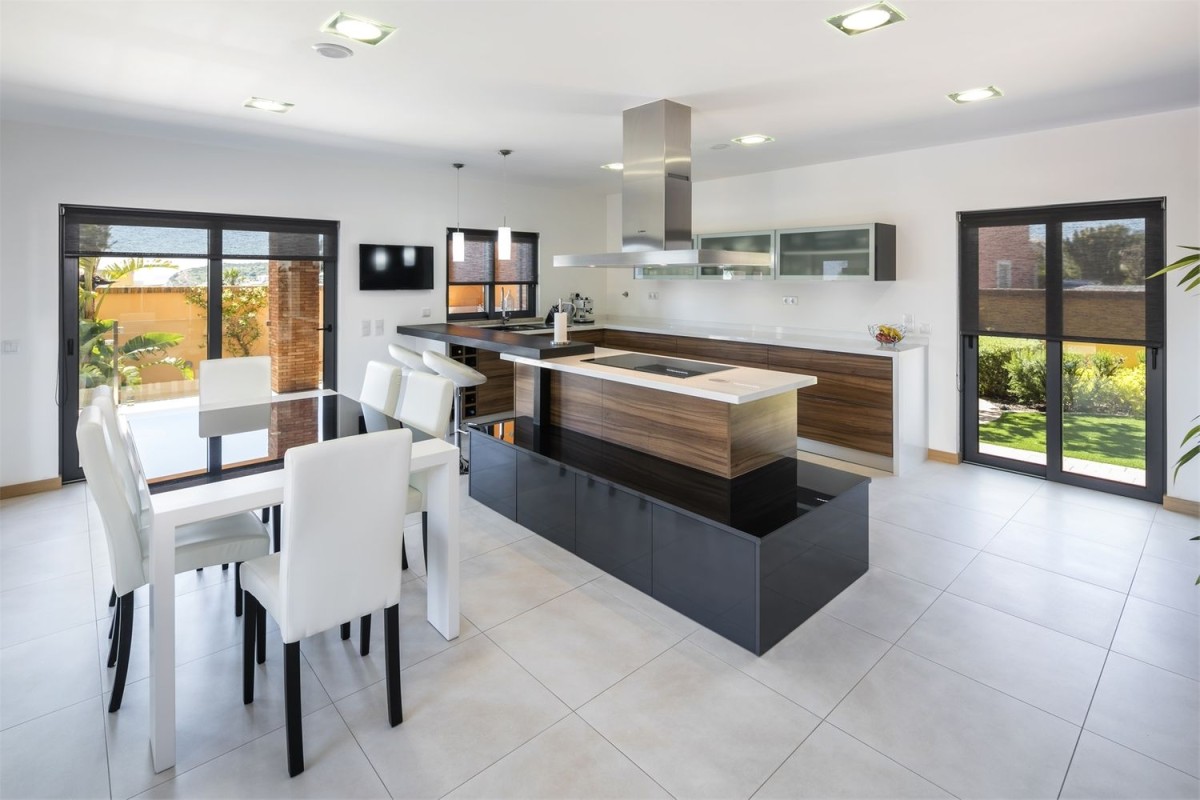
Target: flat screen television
x=394, y=266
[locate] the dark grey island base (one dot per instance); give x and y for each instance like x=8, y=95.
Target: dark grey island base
x=496, y=339
x=750, y=557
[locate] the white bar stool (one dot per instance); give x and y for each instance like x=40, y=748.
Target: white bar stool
x=410, y=359
x=462, y=377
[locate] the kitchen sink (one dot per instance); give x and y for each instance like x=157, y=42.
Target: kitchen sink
x=517, y=328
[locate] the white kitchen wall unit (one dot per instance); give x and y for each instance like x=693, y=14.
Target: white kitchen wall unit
x=865, y=252
x=744, y=242
x=664, y=273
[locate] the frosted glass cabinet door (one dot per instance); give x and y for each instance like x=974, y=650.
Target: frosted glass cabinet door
x=846, y=252
x=750, y=242
x=664, y=273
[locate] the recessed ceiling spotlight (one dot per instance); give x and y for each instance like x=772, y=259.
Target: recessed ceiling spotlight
x=263, y=104
x=867, y=18
x=754, y=138
x=360, y=29
x=331, y=50
x=975, y=95
x=615, y=166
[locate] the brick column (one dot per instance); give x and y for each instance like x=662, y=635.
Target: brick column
x=292, y=424
x=295, y=316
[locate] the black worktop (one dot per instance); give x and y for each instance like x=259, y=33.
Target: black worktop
x=752, y=505
x=497, y=340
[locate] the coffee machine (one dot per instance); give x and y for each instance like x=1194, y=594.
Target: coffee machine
x=583, y=310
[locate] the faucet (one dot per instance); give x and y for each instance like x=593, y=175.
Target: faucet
x=504, y=309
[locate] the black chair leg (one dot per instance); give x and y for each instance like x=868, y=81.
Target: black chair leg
x=124, y=635
x=364, y=636
x=237, y=589
x=391, y=646
x=425, y=537
x=112, y=598
x=249, y=637
x=116, y=638
x=224, y=568
x=266, y=515
x=345, y=631
x=260, y=632
x=403, y=552
x=275, y=526
x=291, y=713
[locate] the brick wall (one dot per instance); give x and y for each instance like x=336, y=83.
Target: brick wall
x=1093, y=313
x=1011, y=244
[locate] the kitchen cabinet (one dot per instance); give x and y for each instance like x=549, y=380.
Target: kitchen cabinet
x=493, y=477
x=612, y=530
x=546, y=499
x=655, y=343
x=747, y=242
x=664, y=273
x=865, y=252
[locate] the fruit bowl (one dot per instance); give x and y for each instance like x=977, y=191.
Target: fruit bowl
x=888, y=336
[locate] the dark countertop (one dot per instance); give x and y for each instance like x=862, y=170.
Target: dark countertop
x=754, y=505
x=500, y=341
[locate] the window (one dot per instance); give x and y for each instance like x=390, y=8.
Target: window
x=482, y=286
x=1003, y=274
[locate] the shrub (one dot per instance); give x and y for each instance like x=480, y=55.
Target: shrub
x=1073, y=375
x=994, y=353
x=1106, y=363
x=1123, y=393
x=1026, y=369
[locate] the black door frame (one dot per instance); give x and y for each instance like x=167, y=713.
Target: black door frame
x=1053, y=216
x=68, y=376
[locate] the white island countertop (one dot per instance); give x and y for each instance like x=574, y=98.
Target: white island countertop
x=736, y=385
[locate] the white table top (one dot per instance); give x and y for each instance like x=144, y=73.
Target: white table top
x=735, y=386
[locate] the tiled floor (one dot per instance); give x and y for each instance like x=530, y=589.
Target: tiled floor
x=1013, y=639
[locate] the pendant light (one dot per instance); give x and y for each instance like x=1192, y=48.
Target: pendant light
x=458, y=242
x=504, y=234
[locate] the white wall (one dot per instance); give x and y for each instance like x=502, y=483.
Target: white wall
x=391, y=203
x=920, y=192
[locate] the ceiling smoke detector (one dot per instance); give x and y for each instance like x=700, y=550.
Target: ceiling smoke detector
x=331, y=50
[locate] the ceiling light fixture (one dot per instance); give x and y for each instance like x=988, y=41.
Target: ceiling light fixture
x=753, y=139
x=458, y=241
x=614, y=166
x=360, y=29
x=264, y=104
x=504, y=233
x=867, y=18
x=331, y=50
x=975, y=95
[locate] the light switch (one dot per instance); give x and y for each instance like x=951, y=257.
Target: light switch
x=425, y=312
x=366, y=327
x=379, y=327
x=10, y=346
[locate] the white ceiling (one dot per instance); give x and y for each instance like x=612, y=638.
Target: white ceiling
x=550, y=79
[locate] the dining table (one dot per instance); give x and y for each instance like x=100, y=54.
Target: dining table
x=206, y=462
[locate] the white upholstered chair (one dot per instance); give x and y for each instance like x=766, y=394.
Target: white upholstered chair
x=463, y=377
x=229, y=539
x=424, y=405
x=410, y=359
x=235, y=381
x=342, y=560
x=381, y=387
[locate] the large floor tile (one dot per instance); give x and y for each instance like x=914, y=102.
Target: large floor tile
x=981, y=489
x=1187, y=522
x=503, y=583
x=965, y=526
x=967, y=738
x=1169, y=583
x=815, y=665
x=1174, y=544
x=1148, y=710
x=40, y=561
x=13, y=507
x=1095, y=524
x=567, y=643
x=833, y=764
x=699, y=727
x=45, y=607
x=1100, y=501
x=1160, y=635
x=43, y=525
x=915, y=555
x=46, y=674
x=464, y=709
x=1069, y=606
x=61, y=754
x=1103, y=770
x=882, y=603
x=664, y=615
x=334, y=766
x=210, y=717
x=1047, y=669
x=568, y=760
x=1101, y=564
x=482, y=530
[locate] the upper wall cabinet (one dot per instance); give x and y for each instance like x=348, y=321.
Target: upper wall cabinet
x=864, y=252
x=664, y=273
x=748, y=242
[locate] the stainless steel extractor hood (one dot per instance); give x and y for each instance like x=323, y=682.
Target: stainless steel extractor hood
x=656, y=197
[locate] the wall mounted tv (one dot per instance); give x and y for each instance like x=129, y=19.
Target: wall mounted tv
x=395, y=266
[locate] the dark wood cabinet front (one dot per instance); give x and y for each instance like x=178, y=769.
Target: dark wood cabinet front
x=546, y=499
x=612, y=530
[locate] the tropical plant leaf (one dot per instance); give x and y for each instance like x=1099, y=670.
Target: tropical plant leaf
x=1180, y=264
x=1189, y=435
x=1184, y=459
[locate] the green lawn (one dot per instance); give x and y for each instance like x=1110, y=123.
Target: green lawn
x=1107, y=440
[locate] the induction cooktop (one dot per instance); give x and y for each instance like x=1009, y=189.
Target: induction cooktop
x=659, y=365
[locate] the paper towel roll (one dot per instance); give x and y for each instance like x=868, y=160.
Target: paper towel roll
x=560, y=327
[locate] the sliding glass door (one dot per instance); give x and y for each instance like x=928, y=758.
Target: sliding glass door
x=1063, y=355
x=148, y=295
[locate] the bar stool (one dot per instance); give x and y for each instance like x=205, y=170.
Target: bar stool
x=410, y=359
x=462, y=377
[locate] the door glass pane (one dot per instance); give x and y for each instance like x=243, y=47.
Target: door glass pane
x=512, y=297
x=95, y=238
x=1104, y=279
x=1012, y=398
x=1012, y=279
x=825, y=253
x=465, y=299
x=1104, y=411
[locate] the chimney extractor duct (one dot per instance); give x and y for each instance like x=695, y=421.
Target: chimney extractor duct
x=656, y=197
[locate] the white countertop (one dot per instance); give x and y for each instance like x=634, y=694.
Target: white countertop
x=735, y=386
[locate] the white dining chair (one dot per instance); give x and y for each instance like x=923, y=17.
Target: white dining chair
x=235, y=381
x=342, y=561
x=381, y=387
x=228, y=539
x=425, y=405
x=464, y=377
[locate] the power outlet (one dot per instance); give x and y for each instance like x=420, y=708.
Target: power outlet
x=925, y=327
x=379, y=327
x=11, y=346
x=366, y=327
x=426, y=312
x=789, y=300
x=653, y=295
